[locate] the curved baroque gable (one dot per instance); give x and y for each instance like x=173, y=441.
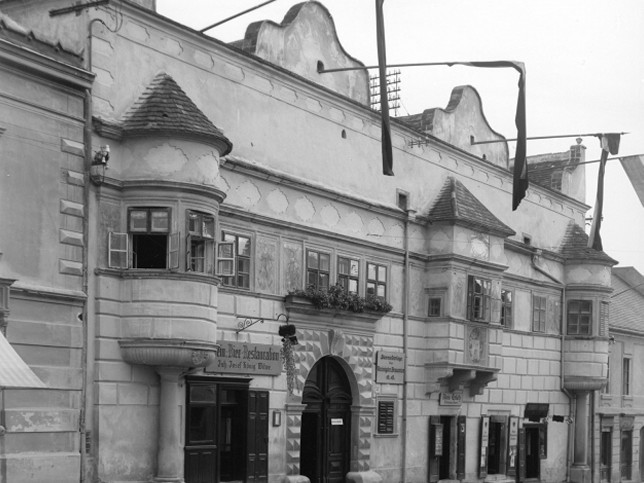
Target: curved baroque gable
x=307, y=35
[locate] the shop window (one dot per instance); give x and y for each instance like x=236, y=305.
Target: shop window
x=626, y=376
x=580, y=316
x=348, y=274
x=539, y=306
x=200, y=242
x=479, y=291
x=234, y=260
x=506, y=308
x=386, y=416
x=318, y=267
x=148, y=243
x=376, y=280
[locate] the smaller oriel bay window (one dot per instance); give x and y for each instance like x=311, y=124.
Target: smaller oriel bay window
x=148, y=243
x=479, y=297
x=376, y=280
x=580, y=317
x=233, y=260
x=200, y=242
x=348, y=274
x=318, y=268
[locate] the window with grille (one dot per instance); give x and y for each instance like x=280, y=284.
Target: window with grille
x=376, y=280
x=434, y=307
x=580, y=315
x=479, y=297
x=539, y=310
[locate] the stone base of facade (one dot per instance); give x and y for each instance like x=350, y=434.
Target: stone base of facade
x=295, y=479
x=580, y=474
x=363, y=477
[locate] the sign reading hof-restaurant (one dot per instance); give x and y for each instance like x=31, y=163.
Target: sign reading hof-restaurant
x=390, y=367
x=246, y=358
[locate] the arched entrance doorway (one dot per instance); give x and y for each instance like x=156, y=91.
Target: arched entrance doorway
x=326, y=423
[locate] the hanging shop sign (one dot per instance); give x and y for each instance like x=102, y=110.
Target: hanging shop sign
x=246, y=358
x=390, y=367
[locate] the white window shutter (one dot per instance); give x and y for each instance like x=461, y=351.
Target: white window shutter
x=173, y=251
x=225, y=259
x=117, y=252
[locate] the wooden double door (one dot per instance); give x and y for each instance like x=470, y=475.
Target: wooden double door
x=326, y=424
x=226, y=433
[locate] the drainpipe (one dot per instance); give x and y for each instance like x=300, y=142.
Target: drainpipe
x=87, y=143
x=572, y=401
x=405, y=310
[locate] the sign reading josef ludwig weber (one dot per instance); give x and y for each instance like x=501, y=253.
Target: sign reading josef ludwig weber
x=390, y=367
x=246, y=358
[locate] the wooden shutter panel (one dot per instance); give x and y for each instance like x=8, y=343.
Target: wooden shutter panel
x=461, y=431
x=485, y=436
x=173, y=251
x=117, y=254
x=257, y=437
x=522, y=455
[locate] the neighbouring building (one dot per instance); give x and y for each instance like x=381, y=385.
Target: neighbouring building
x=171, y=198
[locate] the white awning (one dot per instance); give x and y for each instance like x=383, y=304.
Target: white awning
x=14, y=372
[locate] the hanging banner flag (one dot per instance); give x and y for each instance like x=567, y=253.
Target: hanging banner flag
x=610, y=144
x=387, y=150
x=634, y=167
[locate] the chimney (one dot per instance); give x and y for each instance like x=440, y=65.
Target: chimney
x=577, y=153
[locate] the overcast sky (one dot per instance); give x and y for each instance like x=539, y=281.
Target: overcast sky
x=584, y=61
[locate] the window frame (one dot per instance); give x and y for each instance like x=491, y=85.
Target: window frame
x=507, y=305
x=377, y=282
x=349, y=276
x=315, y=271
x=577, y=315
x=230, y=278
x=539, y=313
x=626, y=376
x=484, y=297
x=199, y=236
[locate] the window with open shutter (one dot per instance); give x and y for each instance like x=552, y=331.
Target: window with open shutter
x=117, y=250
x=173, y=251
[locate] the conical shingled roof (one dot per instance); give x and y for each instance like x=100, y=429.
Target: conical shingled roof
x=457, y=204
x=165, y=109
x=575, y=247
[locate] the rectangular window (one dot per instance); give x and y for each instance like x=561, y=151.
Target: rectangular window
x=580, y=315
x=506, y=308
x=376, y=280
x=539, y=306
x=200, y=242
x=348, y=274
x=386, y=416
x=434, y=307
x=235, y=267
x=148, y=243
x=479, y=291
x=318, y=268
x=626, y=376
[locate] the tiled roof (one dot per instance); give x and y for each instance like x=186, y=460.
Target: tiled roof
x=165, y=109
x=456, y=204
x=15, y=33
x=423, y=122
x=627, y=302
x=575, y=246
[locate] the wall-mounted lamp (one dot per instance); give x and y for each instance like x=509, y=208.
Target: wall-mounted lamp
x=99, y=165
